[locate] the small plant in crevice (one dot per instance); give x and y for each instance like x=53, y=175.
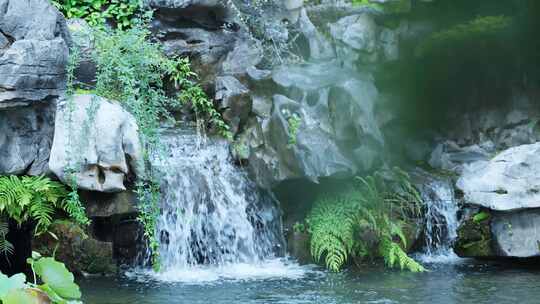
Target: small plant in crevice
x=294, y=121
x=34, y=199
x=184, y=79
x=375, y=207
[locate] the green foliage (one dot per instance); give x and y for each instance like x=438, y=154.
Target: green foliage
x=294, y=121
x=97, y=12
x=184, y=79
x=36, y=199
x=481, y=216
x=57, y=284
x=476, y=30
x=5, y=246
x=376, y=206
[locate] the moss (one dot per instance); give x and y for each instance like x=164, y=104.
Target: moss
x=70, y=244
x=474, y=237
x=474, y=31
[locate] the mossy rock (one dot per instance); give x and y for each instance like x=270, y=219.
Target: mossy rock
x=474, y=237
x=71, y=245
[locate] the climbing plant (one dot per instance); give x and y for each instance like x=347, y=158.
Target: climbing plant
x=98, y=12
x=374, y=206
x=34, y=199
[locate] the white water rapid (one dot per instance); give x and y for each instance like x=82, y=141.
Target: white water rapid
x=215, y=223
x=441, y=221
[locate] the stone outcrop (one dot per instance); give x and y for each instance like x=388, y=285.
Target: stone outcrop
x=33, y=55
x=101, y=142
x=26, y=138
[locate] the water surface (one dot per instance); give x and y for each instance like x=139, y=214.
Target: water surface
x=464, y=282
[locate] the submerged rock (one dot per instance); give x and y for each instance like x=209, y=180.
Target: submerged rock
x=101, y=143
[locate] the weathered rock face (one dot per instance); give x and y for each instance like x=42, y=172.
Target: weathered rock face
x=34, y=53
x=26, y=139
x=509, y=181
x=102, y=142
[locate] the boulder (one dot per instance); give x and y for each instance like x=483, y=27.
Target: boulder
x=101, y=144
x=509, y=181
x=517, y=234
x=33, y=61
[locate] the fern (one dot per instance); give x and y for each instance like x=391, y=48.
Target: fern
x=5, y=246
x=378, y=205
x=332, y=224
x=35, y=199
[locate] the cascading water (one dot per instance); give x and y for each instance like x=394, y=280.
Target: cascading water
x=441, y=221
x=214, y=221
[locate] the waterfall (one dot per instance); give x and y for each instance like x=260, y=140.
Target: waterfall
x=212, y=215
x=441, y=220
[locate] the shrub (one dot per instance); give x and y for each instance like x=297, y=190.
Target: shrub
x=97, y=12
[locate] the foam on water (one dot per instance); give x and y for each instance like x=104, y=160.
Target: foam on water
x=276, y=268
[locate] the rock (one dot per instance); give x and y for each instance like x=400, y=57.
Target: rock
x=32, y=64
x=298, y=246
x=517, y=234
x=104, y=141
x=307, y=150
x=99, y=204
x=81, y=253
x=196, y=28
x=83, y=40
x=319, y=46
x=233, y=99
x=246, y=54
x=357, y=31
x=26, y=139
x=509, y=181
x=450, y=156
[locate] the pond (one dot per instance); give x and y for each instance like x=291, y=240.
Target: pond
x=287, y=283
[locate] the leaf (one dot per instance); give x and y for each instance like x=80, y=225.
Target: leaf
x=25, y=296
x=7, y=284
x=57, y=277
